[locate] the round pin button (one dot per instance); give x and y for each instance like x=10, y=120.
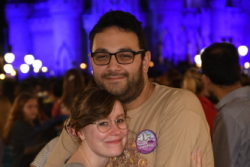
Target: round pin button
x=146, y=141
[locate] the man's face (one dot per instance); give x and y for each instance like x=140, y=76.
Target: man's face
x=125, y=81
x=209, y=89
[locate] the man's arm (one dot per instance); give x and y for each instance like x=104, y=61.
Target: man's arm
x=182, y=131
x=63, y=149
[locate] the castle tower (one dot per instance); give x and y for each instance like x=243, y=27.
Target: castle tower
x=67, y=26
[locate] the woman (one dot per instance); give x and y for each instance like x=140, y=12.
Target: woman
x=21, y=130
x=92, y=121
x=99, y=121
x=193, y=81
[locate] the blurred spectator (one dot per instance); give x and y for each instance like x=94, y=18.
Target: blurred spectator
x=231, y=134
x=4, y=111
x=23, y=130
x=73, y=82
x=172, y=78
x=24, y=86
x=54, y=95
x=193, y=81
x=8, y=87
x=244, y=79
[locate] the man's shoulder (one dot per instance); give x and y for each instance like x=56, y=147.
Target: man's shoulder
x=175, y=98
x=162, y=90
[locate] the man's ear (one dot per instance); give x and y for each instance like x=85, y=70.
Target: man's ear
x=146, y=61
x=206, y=80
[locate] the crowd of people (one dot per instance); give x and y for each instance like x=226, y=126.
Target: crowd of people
x=121, y=117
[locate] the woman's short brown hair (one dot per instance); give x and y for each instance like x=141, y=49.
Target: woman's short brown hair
x=91, y=105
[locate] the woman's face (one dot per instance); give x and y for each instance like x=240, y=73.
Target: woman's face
x=107, y=144
x=30, y=109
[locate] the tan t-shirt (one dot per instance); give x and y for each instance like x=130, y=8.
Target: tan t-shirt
x=177, y=119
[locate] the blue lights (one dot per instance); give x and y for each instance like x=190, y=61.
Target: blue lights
x=55, y=31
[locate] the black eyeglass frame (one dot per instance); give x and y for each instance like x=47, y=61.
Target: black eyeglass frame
x=111, y=54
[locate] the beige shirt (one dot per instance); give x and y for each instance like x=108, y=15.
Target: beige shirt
x=175, y=116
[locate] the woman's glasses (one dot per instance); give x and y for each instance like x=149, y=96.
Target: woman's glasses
x=104, y=125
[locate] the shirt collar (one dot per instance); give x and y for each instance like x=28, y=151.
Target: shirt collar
x=240, y=92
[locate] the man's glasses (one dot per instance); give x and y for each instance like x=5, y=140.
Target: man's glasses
x=122, y=57
x=104, y=125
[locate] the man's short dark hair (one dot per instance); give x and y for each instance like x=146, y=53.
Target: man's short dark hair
x=220, y=62
x=122, y=20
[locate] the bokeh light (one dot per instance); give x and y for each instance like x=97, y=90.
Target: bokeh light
x=8, y=68
x=29, y=59
x=243, y=50
x=37, y=64
x=9, y=57
x=44, y=69
x=2, y=76
x=24, y=68
x=83, y=66
x=151, y=64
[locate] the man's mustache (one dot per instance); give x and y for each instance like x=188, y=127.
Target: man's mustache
x=114, y=74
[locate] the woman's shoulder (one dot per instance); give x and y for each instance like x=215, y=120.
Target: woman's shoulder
x=73, y=165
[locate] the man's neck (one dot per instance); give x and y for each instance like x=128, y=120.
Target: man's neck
x=145, y=94
x=222, y=91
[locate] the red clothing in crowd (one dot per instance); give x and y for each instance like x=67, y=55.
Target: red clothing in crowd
x=209, y=110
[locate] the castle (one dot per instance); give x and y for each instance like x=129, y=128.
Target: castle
x=56, y=31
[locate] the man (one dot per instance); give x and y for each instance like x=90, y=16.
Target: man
x=231, y=136
x=167, y=124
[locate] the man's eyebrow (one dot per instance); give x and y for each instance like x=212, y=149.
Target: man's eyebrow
x=100, y=50
x=125, y=49
x=105, y=50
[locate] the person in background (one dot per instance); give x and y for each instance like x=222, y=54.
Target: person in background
x=193, y=81
x=55, y=93
x=231, y=135
x=4, y=112
x=171, y=120
x=73, y=82
x=20, y=130
x=172, y=78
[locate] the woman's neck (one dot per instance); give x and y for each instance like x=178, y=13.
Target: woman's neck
x=86, y=157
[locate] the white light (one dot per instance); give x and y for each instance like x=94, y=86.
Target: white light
x=8, y=68
x=24, y=68
x=13, y=73
x=243, y=50
x=246, y=65
x=197, y=60
x=28, y=59
x=37, y=64
x=2, y=76
x=44, y=69
x=36, y=70
x=9, y=57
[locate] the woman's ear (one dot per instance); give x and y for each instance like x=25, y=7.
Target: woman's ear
x=81, y=135
x=71, y=131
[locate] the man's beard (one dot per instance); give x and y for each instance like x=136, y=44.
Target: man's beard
x=211, y=96
x=125, y=93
